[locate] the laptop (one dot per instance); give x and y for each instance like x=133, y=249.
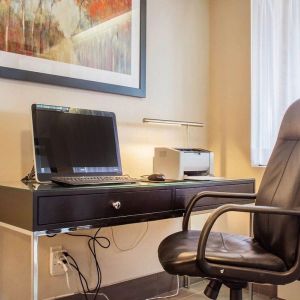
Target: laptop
x=76, y=146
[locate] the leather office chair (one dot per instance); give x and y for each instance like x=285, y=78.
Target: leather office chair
x=273, y=254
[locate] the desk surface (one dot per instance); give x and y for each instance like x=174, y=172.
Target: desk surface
x=51, y=187
x=51, y=207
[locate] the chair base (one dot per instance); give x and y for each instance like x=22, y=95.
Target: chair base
x=214, y=286
x=236, y=289
x=236, y=294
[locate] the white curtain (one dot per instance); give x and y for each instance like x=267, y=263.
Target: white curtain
x=275, y=70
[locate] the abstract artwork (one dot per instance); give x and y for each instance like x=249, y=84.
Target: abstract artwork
x=90, y=44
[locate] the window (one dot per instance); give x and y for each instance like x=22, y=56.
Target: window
x=275, y=70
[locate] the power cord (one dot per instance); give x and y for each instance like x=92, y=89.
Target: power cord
x=30, y=177
x=63, y=264
x=135, y=244
x=92, y=242
x=82, y=279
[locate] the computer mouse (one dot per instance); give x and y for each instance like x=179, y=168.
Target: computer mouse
x=157, y=177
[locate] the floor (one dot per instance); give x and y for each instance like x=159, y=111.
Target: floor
x=195, y=292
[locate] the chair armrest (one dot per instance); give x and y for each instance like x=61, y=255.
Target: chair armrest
x=201, y=195
x=211, y=269
x=239, y=208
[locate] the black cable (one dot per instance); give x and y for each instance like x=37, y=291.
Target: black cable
x=30, y=177
x=92, y=247
x=82, y=280
x=96, y=238
x=75, y=265
x=80, y=275
x=93, y=251
x=97, y=265
x=51, y=235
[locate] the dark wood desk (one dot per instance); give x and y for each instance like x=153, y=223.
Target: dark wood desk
x=46, y=209
x=52, y=207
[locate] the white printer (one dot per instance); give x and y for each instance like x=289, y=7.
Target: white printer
x=180, y=163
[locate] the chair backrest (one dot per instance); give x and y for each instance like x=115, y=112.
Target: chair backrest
x=280, y=187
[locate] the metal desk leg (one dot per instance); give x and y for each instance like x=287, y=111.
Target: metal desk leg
x=186, y=281
x=34, y=266
x=250, y=285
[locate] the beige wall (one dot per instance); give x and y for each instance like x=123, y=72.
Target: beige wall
x=230, y=90
x=178, y=88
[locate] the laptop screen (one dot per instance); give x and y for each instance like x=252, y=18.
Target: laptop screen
x=70, y=141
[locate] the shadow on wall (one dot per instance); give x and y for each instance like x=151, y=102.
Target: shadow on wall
x=16, y=155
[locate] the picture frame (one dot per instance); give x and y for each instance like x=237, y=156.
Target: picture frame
x=123, y=74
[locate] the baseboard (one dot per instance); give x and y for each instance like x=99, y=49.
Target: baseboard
x=138, y=289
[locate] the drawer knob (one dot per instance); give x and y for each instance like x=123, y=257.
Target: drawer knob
x=116, y=204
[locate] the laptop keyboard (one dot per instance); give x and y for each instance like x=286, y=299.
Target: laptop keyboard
x=93, y=180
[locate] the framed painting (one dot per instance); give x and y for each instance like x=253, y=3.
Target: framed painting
x=97, y=45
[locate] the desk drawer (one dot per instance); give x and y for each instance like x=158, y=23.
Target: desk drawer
x=183, y=196
x=68, y=208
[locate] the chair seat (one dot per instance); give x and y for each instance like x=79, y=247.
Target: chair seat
x=177, y=253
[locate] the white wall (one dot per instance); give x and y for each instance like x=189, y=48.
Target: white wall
x=177, y=88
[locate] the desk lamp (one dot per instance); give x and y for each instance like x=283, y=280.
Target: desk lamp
x=187, y=124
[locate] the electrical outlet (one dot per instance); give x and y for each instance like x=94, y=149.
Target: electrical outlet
x=56, y=268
